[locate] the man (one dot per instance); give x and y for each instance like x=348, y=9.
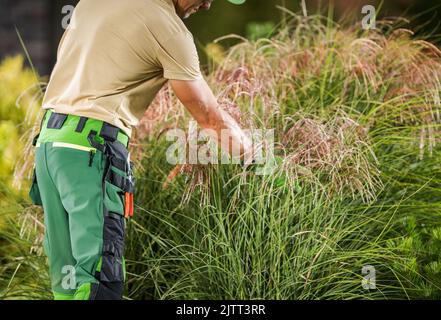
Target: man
x=112, y=60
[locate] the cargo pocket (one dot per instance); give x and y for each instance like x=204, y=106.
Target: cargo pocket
x=110, y=269
x=34, y=192
x=114, y=198
x=116, y=183
x=119, y=187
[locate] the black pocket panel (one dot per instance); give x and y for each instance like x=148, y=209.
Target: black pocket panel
x=113, y=248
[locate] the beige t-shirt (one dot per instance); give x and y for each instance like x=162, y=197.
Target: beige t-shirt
x=115, y=56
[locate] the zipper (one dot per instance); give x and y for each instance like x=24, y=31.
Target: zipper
x=91, y=156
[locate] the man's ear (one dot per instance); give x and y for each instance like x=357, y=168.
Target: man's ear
x=206, y=5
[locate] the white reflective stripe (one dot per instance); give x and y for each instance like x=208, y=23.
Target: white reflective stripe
x=72, y=146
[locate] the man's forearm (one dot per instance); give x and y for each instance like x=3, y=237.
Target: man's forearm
x=199, y=100
x=224, y=129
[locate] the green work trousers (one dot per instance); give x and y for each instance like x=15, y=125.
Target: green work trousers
x=83, y=198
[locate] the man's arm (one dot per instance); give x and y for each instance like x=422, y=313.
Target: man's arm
x=200, y=101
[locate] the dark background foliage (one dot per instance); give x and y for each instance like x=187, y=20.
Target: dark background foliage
x=39, y=21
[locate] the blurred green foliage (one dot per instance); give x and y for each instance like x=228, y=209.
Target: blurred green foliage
x=19, y=97
x=257, y=30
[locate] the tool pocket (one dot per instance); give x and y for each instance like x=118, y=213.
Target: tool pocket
x=113, y=198
x=112, y=259
x=119, y=186
x=118, y=195
x=34, y=192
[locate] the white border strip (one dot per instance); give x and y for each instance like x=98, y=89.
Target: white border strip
x=71, y=146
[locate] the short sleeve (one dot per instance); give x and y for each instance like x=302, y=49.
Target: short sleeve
x=179, y=58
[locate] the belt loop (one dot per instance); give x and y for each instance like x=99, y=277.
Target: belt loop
x=109, y=132
x=93, y=143
x=34, y=141
x=81, y=124
x=56, y=120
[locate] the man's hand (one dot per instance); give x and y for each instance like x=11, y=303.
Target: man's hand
x=200, y=101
